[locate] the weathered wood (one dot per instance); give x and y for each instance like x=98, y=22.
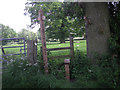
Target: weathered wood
x=53, y=49
x=60, y=56
x=24, y=46
x=71, y=48
x=67, y=73
x=35, y=51
x=32, y=51
x=43, y=39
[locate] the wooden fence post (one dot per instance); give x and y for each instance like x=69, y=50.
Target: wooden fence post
x=67, y=62
x=35, y=51
x=71, y=48
x=32, y=51
x=43, y=39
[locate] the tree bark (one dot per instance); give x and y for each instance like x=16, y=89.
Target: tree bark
x=97, y=28
x=62, y=40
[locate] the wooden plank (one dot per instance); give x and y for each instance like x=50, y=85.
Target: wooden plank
x=43, y=39
x=62, y=48
x=30, y=51
x=60, y=56
x=35, y=51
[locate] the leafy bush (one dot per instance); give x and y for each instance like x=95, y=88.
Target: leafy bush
x=105, y=74
x=21, y=74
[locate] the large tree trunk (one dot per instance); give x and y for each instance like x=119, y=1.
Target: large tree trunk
x=62, y=40
x=97, y=28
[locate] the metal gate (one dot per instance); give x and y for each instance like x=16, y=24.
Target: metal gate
x=2, y=48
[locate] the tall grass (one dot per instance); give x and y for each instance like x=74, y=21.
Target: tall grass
x=21, y=74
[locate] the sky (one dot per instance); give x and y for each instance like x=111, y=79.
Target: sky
x=12, y=15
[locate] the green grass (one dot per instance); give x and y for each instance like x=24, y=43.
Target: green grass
x=105, y=74
x=81, y=45
x=78, y=45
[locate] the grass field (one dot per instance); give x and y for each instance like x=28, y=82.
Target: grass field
x=80, y=45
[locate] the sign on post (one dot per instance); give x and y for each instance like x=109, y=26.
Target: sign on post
x=43, y=39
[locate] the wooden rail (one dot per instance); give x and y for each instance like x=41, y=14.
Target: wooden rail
x=53, y=49
x=71, y=55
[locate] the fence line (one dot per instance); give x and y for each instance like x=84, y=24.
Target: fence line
x=2, y=48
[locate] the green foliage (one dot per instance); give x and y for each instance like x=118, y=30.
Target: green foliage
x=6, y=32
x=80, y=65
x=61, y=18
x=103, y=75
x=21, y=74
x=28, y=35
x=114, y=41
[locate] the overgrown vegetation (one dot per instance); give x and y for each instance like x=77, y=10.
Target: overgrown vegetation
x=21, y=74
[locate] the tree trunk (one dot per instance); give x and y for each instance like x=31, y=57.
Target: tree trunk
x=97, y=28
x=62, y=40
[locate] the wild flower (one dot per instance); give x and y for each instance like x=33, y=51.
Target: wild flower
x=7, y=63
x=11, y=60
x=30, y=64
x=19, y=66
x=77, y=45
x=35, y=64
x=27, y=64
x=35, y=44
x=38, y=71
x=22, y=58
x=89, y=70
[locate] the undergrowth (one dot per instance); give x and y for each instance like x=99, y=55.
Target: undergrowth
x=19, y=73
